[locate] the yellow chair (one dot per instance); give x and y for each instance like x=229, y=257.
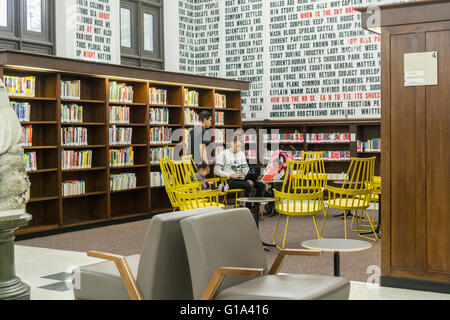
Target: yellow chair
x=355, y=194
x=169, y=180
x=192, y=196
x=374, y=199
x=301, y=195
x=192, y=168
x=322, y=173
x=224, y=181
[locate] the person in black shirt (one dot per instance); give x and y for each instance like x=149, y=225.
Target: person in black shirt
x=199, y=139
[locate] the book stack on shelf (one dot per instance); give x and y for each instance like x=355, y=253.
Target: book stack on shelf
x=123, y=181
x=191, y=117
x=71, y=113
x=74, y=160
x=219, y=135
x=22, y=109
x=336, y=155
x=30, y=161
x=295, y=154
x=156, y=179
x=27, y=136
x=119, y=115
x=120, y=92
x=160, y=135
x=120, y=136
x=191, y=98
x=20, y=86
x=159, y=153
x=71, y=90
x=220, y=118
x=251, y=154
x=73, y=188
x=123, y=157
x=220, y=101
x=157, y=96
x=328, y=137
x=283, y=138
x=159, y=116
x=372, y=145
x=250, y=138
x=74, y=136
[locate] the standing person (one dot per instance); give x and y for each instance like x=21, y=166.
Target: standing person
x=232, y=164
x=199, y=139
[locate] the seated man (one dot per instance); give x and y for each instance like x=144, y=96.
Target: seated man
x=232, y=164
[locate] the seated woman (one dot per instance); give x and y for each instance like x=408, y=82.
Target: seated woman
x=232, y=165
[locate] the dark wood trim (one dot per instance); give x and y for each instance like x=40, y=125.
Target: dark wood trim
x=414, y=284
x=24, y=59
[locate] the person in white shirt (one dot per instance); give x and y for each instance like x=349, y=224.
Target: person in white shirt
x=232, y=165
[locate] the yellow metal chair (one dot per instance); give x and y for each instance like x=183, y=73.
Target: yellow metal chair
x=169, y=180
x=224, y=181
x=301, y=195
x=354, y=195
x=374, y=199
x=192, y=196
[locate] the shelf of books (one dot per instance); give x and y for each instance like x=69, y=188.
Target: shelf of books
x=92, y=140
x=339, y=142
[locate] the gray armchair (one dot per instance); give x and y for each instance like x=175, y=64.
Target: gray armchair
x=161, y=272
x=227, y=262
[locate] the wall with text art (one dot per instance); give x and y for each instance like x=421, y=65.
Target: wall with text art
x=306, y=59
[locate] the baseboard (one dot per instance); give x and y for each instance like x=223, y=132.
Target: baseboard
x=413, y=284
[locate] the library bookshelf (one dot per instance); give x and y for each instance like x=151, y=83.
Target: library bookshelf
x=102, y=116
x=351, y=146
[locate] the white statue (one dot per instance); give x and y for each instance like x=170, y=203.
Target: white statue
x=14, y=182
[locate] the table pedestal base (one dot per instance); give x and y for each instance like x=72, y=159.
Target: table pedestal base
x=337, y=266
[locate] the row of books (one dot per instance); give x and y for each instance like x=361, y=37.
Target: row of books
x=20, y=86
x=30, y=161
x=74, y=136
x=295, y=154
x=71, y=89
x=72, y=160
x=372, y=145
x=156, y=179
x=160, y=135
x=157, y=96
x=119, y=135
x=283, y=137
x=71, y=113
x=251, y=154
x=250, y=138
x=22, y=109
x=120, y=92
x=220, y=118
x=123, y=181
x=73, y=187
x=327, y=137
x=191, y=98
x=161, y=152
x=27, y=136
x=219, y=135
x=336, y=155
x=119, y=115
x=159, y=116
x=220, y=100
x=121, y=157
x=191, y=117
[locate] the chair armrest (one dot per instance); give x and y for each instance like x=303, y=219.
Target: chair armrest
x=291, y=252
x=219, y=275
x=124, y=270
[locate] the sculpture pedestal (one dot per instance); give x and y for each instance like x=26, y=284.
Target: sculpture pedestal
x=11, y=287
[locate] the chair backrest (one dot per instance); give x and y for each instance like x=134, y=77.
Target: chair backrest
x=359, y=181
x=222, y=239
x=302, y=190
x=319, y=157
x=163, y=272
x=169, y=180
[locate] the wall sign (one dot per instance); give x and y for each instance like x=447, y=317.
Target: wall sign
x=306, y=59
x=90, y=30
x=421, y=69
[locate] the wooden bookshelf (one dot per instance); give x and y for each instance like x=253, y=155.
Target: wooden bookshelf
x=358, y=129
x=51, y=210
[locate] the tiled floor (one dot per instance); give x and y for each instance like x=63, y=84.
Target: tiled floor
x=45, y=270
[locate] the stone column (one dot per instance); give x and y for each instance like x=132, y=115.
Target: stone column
x=11, y=287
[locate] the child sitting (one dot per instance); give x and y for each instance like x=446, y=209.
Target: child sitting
x=203, y=171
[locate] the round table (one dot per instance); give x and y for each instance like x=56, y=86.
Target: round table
x=255, y=201
x=336, y=246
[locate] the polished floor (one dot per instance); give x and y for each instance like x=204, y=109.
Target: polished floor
x=45, y=271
